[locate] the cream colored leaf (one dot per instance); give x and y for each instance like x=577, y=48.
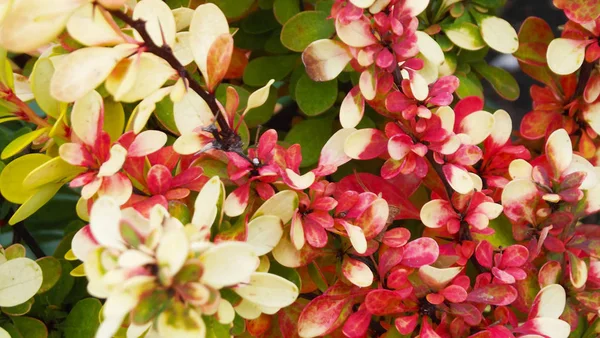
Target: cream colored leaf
x=268, y=290
x=34, y=23
x=565, y=56
x=325, y=59
x=85, y=69
x=499, y=35
x=191, y=112
x=228, y=264
x=20, y=279
x=207, y=24
x=160, y=23
x=89, y=27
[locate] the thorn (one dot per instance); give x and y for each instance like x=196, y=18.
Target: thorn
x=162, y=34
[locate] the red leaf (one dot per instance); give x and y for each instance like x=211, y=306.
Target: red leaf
x=492, y=294
x=389, y=192
x=421, y=251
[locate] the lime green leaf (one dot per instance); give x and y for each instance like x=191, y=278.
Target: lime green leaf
x=234, y=9
x=262, y=69
x=501, y=80
x=11, y=178
x=30, y=327
x=20, y=279
x=315, y=98
x=285, y=9
x=114, y=119
x=51, y=270
x=54, y=171
x=21, y=142
x=83, y=320
x=465, y=35
x=304, y=28
x=467, y=87
x=311, y=134
x=503, y=236
x=40, y=86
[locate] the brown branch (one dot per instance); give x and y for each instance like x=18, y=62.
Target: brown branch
x=32, y=117
x=584, y=75
x=227, y=138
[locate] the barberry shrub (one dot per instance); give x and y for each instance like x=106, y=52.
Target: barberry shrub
x=296, y=168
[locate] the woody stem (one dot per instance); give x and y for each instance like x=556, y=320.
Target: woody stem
x=229, y=139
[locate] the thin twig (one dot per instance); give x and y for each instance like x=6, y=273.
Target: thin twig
x=230, y=140
x=23, y=233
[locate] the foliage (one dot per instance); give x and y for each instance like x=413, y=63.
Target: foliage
x=382, y=198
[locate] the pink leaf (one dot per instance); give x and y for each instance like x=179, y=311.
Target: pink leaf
x=422, y=251
x=493, y=294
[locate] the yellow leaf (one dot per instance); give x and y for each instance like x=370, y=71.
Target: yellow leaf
x=11, y=178
x=35, y=202
x=21, y=142
x=54, y=171
x=40, y=85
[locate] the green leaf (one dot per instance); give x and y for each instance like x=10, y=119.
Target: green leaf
x=234, y=9
x=503, y=236
x=262, y=114
x=490, y=3
x=317, y=277
x=288, y=273
x=164, y=114
x=311, y=134
x=245, y=40
x=83, y=320
x=262, y=69
x=260, y=22
x=324, y=5
x=51, y=270
x=243, y=93
x=315, y=98
x=239, y=326
x=21, y=142
x=469, y=56
x=149, y=306
x=467, y=87
x=30, y=327
x=19, y=310
x=273, y=44
x=12, y=330
x=214, y=329
x=304, y=28
x=285, y=9
x=501, y=80
x=15, y=251
x=57, y=294
x=593, y=330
